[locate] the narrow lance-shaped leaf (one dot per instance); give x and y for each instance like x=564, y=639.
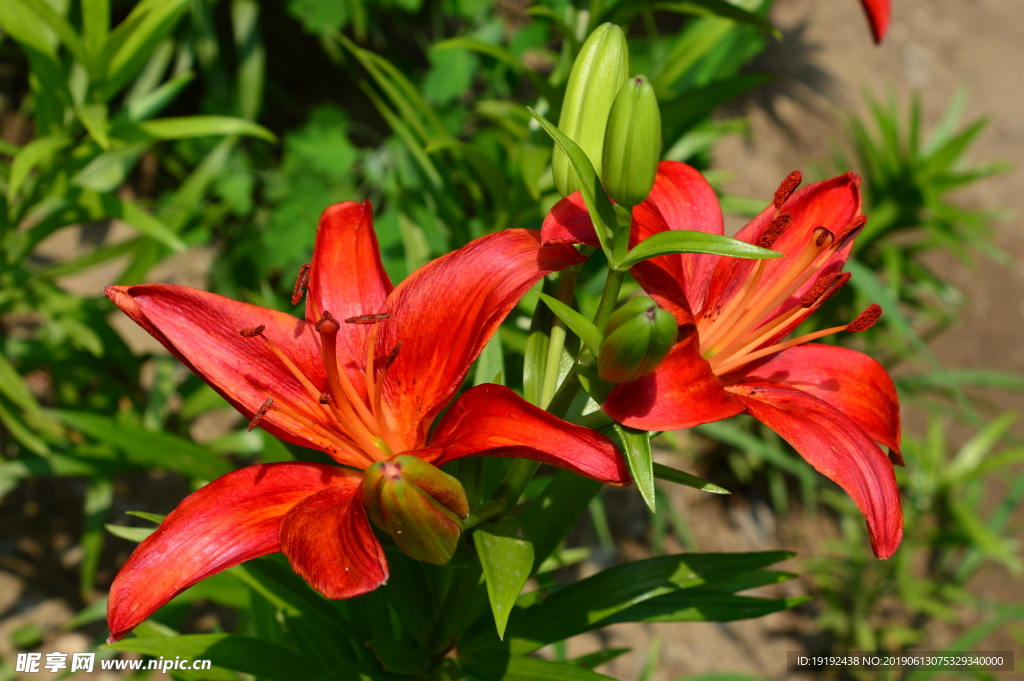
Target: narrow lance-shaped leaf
x=686, y=241
x=598, y=204
x=506, y=554
x=663, y=472
x=637, y=449
x=580, y=325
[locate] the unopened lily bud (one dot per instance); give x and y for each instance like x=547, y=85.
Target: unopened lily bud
x=599, y=70
x=637, y=338
x=632, y=143
x=418, y=504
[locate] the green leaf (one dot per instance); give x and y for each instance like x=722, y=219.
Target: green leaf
x=14, y=388
x=130, y=44
x=637, y=449
x=549, y=518
x=600, y=657
x=580, y=325
x=154, y=102
x=703, y=605
x=505, y=57
x=94, y=118
x=203, y=126
x=63, y=30
x=146, y=223
x=687, y=241
x=152, y=517
x=98, y=497
x=135, y=534
x=95, y=25
x=672, y=475
x=520, y=668
x=602, y=213
x=397, y=657
x=38, y=152
x=506, y=554
x=109, y=170
x=591, y=602
x=254, y=656
x=490, y=363
x=147, y=448
x=974, y=451
x=719, y=8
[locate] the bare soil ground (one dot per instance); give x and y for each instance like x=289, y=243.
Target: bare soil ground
x=824, y=63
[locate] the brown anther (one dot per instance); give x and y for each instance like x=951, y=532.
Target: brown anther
x=866, y=319
x=823, y=237
x=251, y=333
x=787, y=188
x=851, y=231
x=392, y=356
x=368, y=318
x=776, y=229
x=301, y=282
x=327, y=324
x=823, y=289
x=260, y=413
x=325, y=398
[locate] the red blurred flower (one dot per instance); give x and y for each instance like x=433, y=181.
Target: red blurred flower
x=362, y=378
x=878, y=16
x=832, y=404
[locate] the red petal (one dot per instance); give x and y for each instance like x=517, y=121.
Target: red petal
x=329, y=542
x=837, y=449
x=832, y=204
x=681, y=393
x=878, y=16
x=568, y=222
x=686, y=201
x=234, y=518
x=201, y=329
x=491, y=420
x=848, y=380
x=444, y=313
x=347, y=278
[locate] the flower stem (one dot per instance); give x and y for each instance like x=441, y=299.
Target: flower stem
x=484, y=512
x=566, y=289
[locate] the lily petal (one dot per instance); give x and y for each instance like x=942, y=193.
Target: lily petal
x=681, y=393
x=832, y=204
x=838, y=449
x=202, y=329
x=329, y=542
x=346, y=276
x=232, y=519
x=878, y=16
x=855, y=384
x=491, y=420
x=686, y=201
x=445, y=312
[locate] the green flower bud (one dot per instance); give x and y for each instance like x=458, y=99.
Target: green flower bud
x=632, y=143
x=418, y=504
x=599, y=70
x=637, y=337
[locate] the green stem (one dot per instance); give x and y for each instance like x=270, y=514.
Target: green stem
x=483, y=512
x=471, y=475
x=556, y=342
x=514, y=482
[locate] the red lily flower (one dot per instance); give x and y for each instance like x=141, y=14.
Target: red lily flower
x=830, y=403
x=878, y=16
x=361, y=391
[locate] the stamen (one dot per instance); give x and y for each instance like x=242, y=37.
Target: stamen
x=838, y=283
x=325, y=398
x=351, y=411
x=722, y=324
x=776, y=229
x=253, y=332
x=301, y=282
x=823, y=237
x=787, y=188
x=851, y=231
x=866, y=319
x=368, y=318
x=378, y=386
x=392, y=356
x=338, y=439
x=863, y=322
x=260, y=413
x=817, y=291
